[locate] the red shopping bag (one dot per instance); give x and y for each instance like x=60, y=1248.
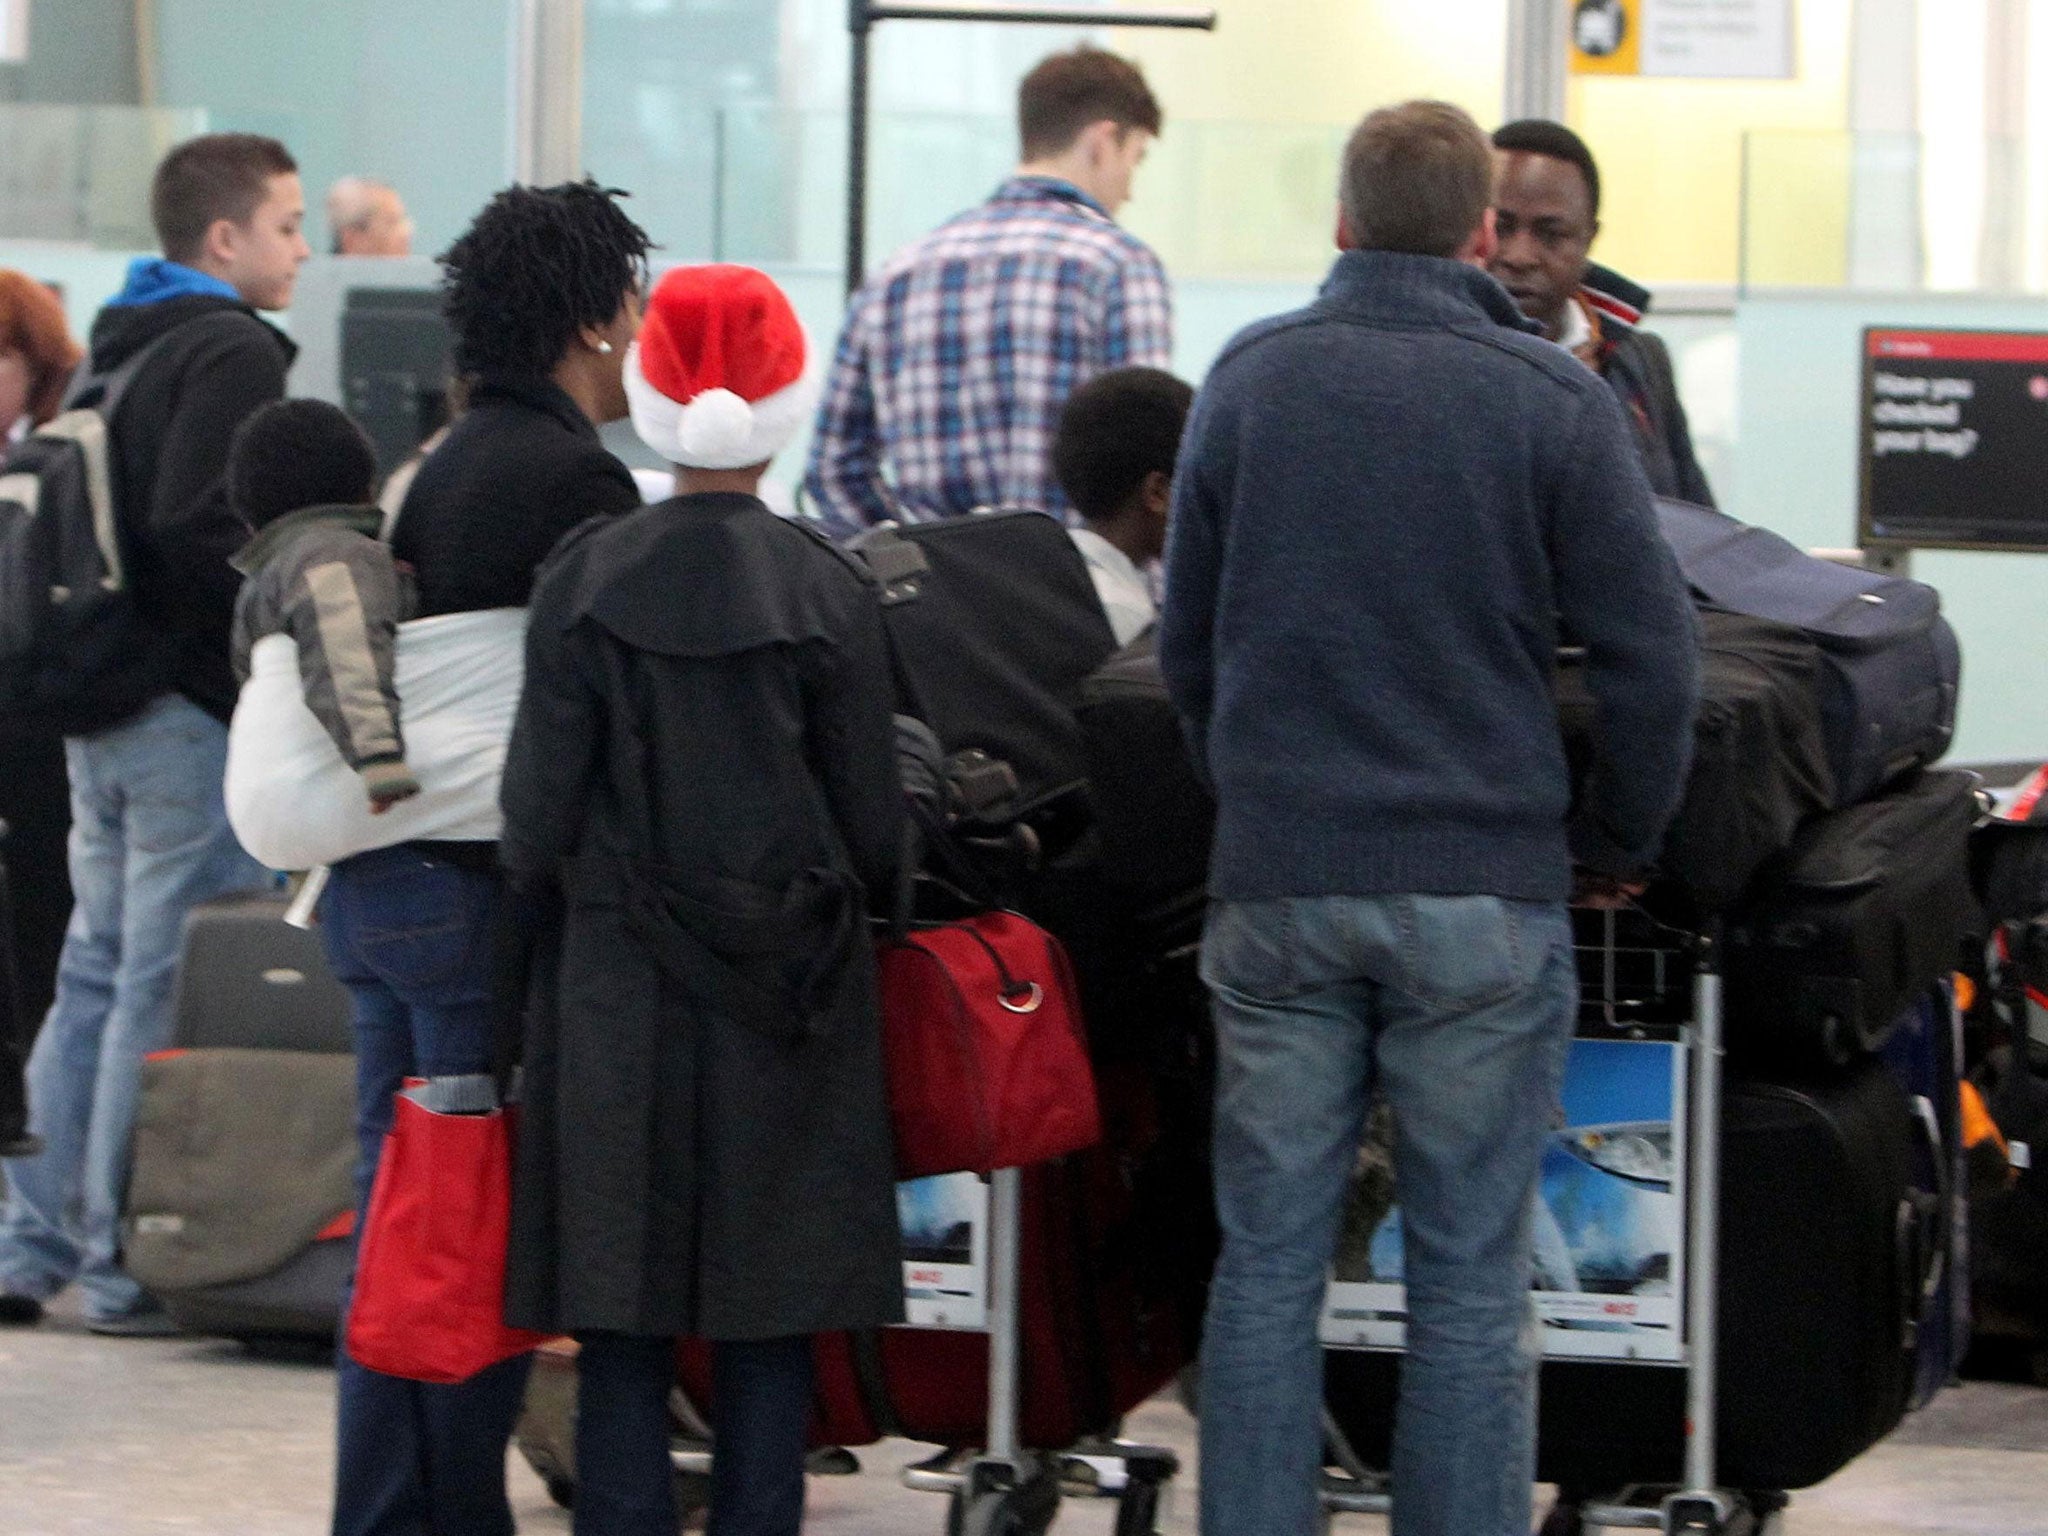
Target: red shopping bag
x=429, y=1301
x=988, y=1064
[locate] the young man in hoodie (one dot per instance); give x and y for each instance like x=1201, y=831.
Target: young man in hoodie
x=150, y=836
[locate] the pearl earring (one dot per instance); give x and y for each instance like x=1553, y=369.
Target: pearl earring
x=604, y=346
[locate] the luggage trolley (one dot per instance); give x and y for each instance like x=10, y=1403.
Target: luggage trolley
x=1643, y=979
x=1004, y=1489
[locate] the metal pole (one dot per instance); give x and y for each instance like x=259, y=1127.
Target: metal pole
x=1703, y=1237
x=547, y=92
x=1005, y=1234
x=1535, y=79
x=861, y=16
x=1196, y=18
x=861, y=20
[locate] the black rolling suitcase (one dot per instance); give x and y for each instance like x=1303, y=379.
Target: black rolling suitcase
x=1821, y=1274
x=1870, y=907
x=241, y=1203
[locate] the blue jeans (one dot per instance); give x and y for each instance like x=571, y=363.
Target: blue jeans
x=149, y=841
x=760, y=1422
x=411, y=938
x=1460, y=1010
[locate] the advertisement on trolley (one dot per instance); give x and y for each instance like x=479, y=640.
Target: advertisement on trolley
x=1609, y=1276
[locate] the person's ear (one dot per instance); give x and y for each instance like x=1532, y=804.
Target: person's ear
x=221, y=243
x=1157, y=489
x=1346, y=240
x=1484, y=244
x=595, y=338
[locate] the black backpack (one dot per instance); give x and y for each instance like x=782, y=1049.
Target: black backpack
x=70, y=628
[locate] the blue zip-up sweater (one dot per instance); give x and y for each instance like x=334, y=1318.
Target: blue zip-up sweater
x=1385, y=504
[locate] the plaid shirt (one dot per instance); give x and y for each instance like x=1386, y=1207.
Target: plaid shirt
x=956, y=357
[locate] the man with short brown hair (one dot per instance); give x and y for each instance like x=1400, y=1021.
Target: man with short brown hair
x=1389, y=506
x=957, y=356
x=146, y=739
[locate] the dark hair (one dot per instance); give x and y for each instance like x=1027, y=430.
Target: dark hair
x=1068, y=91
x=1417, y=178
x=1115, y=430
x=1539, y=136
x=293, y=454
x=215, y=176
x=32, y=324
x=536, y=266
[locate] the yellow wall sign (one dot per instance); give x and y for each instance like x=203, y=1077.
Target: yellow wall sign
x=1682, y=39
x=1606, y=37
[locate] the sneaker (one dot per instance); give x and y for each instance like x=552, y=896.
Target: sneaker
x=19, y=1311
x=153, y=1324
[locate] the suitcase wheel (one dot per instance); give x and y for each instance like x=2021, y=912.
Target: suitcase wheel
x=1020, y=1509
x=1137, y=1509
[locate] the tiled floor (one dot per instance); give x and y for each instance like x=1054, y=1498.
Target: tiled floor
x=106, y=1437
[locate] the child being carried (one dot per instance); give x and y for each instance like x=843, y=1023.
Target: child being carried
x=303, y=476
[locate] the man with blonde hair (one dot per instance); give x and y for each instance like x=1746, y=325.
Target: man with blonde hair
x=1389, y=506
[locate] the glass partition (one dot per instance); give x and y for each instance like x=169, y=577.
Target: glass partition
x=1894, y=213
x=81, y=174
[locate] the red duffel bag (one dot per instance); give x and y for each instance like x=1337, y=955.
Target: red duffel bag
x=429, y=1301
x=988, y=1064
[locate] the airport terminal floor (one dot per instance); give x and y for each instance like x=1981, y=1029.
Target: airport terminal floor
x=134, y=1437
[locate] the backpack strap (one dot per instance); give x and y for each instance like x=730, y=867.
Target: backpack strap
x=103, y=392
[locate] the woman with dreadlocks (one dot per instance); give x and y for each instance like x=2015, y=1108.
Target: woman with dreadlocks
x=543, y=293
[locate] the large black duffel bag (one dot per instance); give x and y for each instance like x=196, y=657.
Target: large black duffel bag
x=1867, y=908
x=1890, y=665
x=1759, y=765
x=1823, y=1279
x=993, y=624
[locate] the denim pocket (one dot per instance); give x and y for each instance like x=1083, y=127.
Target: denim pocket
x=1466, y=952
x=419, y=923
x=1249, y=947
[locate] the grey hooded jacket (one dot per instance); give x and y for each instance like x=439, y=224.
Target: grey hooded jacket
x=323, y=577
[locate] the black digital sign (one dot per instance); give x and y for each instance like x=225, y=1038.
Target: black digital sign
x=1955, y=440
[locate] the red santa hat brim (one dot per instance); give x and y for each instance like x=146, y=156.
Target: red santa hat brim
x=718, y=429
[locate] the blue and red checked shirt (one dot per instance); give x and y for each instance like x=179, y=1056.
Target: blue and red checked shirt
x=958, y=355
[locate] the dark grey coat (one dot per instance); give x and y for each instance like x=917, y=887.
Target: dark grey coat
x=703, y=760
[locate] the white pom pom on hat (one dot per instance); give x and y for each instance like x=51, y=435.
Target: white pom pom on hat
x=719, y=377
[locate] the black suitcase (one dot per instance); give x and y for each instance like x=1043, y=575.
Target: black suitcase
x=1153, y=818
x=249, y=978
x=1820, y=1286
x=260, y=1077
x=1890, y=664
x=993, y=625
x=1759, y=765
x=1868, y=908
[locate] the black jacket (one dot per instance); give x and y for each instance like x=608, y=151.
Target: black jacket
x=170, y=453
x=1638, y=370
x=519, y=470
x=704, y=761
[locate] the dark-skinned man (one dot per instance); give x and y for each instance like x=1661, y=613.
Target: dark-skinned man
x=1547, y=212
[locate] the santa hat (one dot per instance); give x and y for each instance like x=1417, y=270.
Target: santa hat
x=718, y=377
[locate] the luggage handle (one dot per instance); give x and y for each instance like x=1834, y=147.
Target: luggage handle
x=1919, y=1291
